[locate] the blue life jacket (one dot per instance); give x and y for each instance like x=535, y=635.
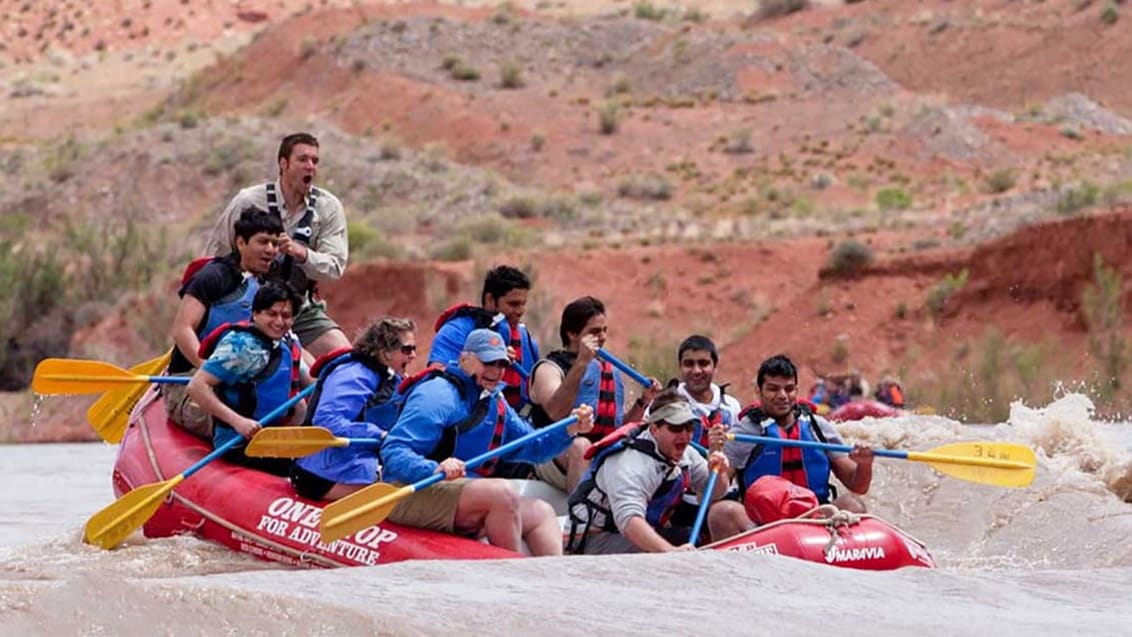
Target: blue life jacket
x=352, y=464
x=234, y=307
x=767, y=459
x=271, y=387
x=590, y=498
x=466, y=438
x=460, y=320
x=718, y=416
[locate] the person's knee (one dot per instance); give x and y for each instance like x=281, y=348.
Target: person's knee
x=497, y=495
x=538, y=510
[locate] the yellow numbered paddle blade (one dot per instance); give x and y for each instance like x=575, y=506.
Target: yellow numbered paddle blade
x=292, y=442
x=1002, y=464
x=74, y=376
x=121, y=518
x=359, y=510
x=110, y=414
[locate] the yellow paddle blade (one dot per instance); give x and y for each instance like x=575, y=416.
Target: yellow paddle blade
x=1002, y=464
x=292, y=442
x=121, y=518
x=359, y=510
x=924, y=410
x=110, y=414
x=74, y=376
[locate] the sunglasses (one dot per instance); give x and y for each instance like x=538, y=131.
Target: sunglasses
x=681, y=428
x=408, y=349
x=503, y=363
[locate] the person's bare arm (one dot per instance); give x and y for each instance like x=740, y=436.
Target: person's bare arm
x=190, y=312
x=202, y=390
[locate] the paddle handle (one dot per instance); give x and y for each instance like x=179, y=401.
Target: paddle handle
x=624, y=367
x=234, y=442
x=705, y=502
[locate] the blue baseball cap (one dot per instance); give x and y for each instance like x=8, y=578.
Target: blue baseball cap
x=487, y=345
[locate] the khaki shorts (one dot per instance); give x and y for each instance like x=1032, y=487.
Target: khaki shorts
x=183, y=411
x=550, y=473
x=433, y=508
x=312, y=322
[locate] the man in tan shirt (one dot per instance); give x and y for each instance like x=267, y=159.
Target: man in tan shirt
x=315, y=246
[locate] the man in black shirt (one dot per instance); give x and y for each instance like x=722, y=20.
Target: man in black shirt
x=216, y=291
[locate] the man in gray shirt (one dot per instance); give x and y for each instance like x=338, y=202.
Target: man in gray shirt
x=778, y=415
x=315, y=246
x=624, y=503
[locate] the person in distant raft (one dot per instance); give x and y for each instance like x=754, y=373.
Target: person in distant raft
x=249, y=370
x=452, y=415
x=574, y=376
x=503, y=302
x=217, y=291
x=780, y=415
x=357, y=397
x=316, y=248
x=639, y=474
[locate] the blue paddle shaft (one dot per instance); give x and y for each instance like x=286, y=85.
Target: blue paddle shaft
x=363, y=442
x=705, y=502
x=498, y=451
x=169, y=380
x=624, y=367
x=806, y=444
x=231, y=444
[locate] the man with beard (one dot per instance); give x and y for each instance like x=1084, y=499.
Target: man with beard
x=779, y=415
x=625, y=502
x=316, y=248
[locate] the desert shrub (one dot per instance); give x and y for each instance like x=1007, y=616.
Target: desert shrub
x=608, y=117
x=367, y=242
x=41, y=289
x=849, y=257
x=941, y=291
x=1104, y=313
x=538, y=140
x=648, y=11
x=649, y=186
x=893, y=198
x=1001, y=180
x=464, y=72
x=1076, y=198
x=308, y=47
x=773, y=8
x=519, y=207
x=455, y=249
x=62, y=158
x=511, y=74
x=739, y=142
x=1110, y=13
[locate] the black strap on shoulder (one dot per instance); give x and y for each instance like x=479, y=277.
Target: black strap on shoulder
x=447, y=444
x=302, y=233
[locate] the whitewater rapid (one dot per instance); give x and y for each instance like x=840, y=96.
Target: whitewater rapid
x=1051, y=559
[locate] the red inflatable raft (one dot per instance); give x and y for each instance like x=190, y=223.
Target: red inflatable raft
x=864, y=542
x=259, y=514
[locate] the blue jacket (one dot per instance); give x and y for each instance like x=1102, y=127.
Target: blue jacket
x=449, y=342
x=344, y=408
x=436, y=404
